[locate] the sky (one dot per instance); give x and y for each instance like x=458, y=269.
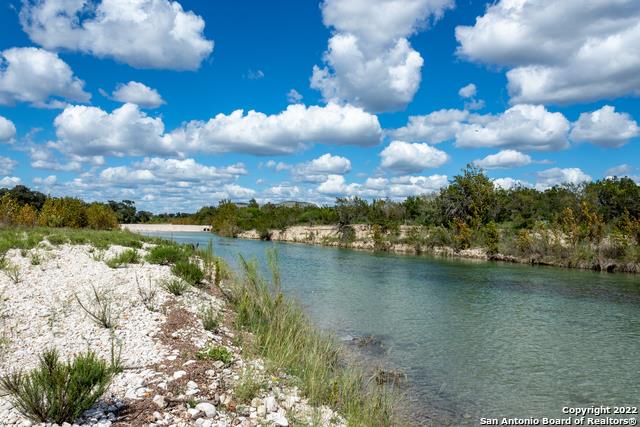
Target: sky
x=179, y=104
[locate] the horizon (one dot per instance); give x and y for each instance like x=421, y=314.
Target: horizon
x=195, y=103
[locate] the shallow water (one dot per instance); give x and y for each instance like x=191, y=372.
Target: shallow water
x=476, y=339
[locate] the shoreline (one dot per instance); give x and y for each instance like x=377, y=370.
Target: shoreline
x=175, y=228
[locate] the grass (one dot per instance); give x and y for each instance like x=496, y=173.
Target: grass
x=55, y=391
x=12, y=271
x=248, y=386
x=147, y=295
x=99, y=309
x=176, y=287
x=215, y=352
x=189, y=272
x=210, y=318
x=167, y=254
x=288, y=340
x=130, y=256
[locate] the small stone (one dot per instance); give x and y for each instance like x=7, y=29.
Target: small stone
x=210, y=373
x=189, y=363
x=159, y=401
x=157, y=415
x=193, y=412
x=208, y=409
x=271, y=404
x=179, y=374
x=218, y=364
x=261, y=410
x=280, y=420
x=192, y=384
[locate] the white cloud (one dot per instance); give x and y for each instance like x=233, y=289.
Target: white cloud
x=523, y=127
x=405, y=157
x=90, y=131
x=142, y=33
x=504, y=159
x=47, y=182
x=7, y=165
x=620, y=170
x=294, y=97
x=557, y=176
x=605, y=127
x=316, y=170
x=277, y=166
x=255, y=75
x=398, y=187
x=433, y=128
x=281, y=192
x=559, y=51
x=139, y=94
x=39, y=78
x=509, y=183
x=7, y=130
x=468, y=91
x=291, y=130
x=369, y=61
x=9, y=181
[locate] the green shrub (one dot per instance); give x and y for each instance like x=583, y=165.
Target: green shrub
x=58, y=392
x=166, y=254
x=130, y=256
x=176, y=287
x=215, y=352
x=188, y=271
x=248, y=386
x=101, y=217
x=63, y=212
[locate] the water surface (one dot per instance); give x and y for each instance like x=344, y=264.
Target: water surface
x=476, y=339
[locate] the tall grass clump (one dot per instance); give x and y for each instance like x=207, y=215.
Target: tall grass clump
x=166, y=254
x=286, y=337
x=58, y=392
x=99, y=308
x=210, y=318
x=130, y=256
x=176, y=287
x=189, y=272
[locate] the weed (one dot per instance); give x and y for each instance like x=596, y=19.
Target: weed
x=147, y=295
x=215, y=352
x=166, y=254
x=58, y=392
x=12, y=271
x=100, y=310
x=36, y=258
x=210, y=318
x=130, y=256
x=189, y=272
x=248, y=386
x=176, y=287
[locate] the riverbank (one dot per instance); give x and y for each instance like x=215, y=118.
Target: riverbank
x=534, y=249
x=163, y=228
x=184, y=361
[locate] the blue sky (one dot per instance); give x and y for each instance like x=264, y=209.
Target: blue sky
x=140, y=100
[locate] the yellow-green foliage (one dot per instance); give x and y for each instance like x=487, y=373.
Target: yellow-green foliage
x=101, y=217
x=9, y=209
x=63, y=212
x=27, y=216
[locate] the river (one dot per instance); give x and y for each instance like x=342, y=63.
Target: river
x=475, y=339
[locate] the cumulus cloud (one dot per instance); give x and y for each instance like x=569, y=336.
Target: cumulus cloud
x=283, y=133
x=404, y=157
x=139, y=94
x=369, y=61
x=509, y=183
x=7, y=130
x=294, y=97
x=143, y=33
x=504, y=159
x=557, y=176
x=523, y=127
x=282, y=192
x=559, y=51
x=90, y=131
x=39, y=78
x=605, y=127
x=620, y=170
x=7, y=165
x=9, y=181
x=46, y=182
x=468, y=91
x=434, y=127
x=397, y=187
x=316, y=170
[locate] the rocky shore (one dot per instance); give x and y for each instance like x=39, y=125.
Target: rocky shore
x=168, y=377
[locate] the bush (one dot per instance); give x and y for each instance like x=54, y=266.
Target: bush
x=63, y=212
x=58, y=392
x=492, y=238
x=9, y=209
x=101, y=217
x=27, y=216
x=166, y=254
x=130, y=256
x=189, y=272
x=215, y=352
x=210, y=318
